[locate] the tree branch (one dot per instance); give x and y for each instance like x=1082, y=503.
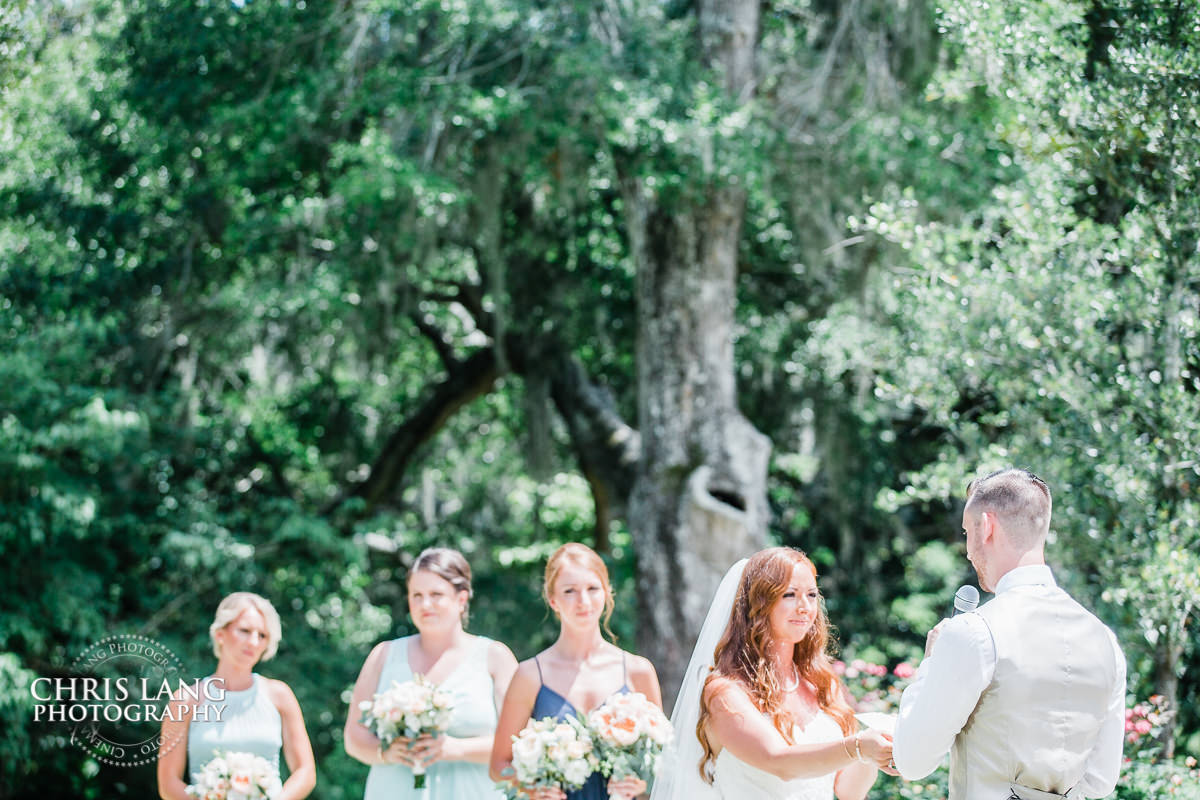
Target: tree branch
x=606, y=447
x=470, y=297
x=444, y=350
x=472, y=378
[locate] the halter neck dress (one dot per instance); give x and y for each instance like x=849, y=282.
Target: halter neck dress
x=249, y=723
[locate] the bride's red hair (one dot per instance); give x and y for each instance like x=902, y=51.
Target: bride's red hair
x=743, y=654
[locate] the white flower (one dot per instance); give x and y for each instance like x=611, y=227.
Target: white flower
x=236, y=776
x=553, y=752
x=577, y=772
x=630, y=733
x=408, y=709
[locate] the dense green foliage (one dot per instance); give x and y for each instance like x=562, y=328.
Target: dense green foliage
x=243, y=244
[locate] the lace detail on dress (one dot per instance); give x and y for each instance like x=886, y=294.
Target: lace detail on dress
x=735, y=779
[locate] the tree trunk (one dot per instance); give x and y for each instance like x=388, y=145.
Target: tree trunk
x=1166, y=680
x=699, y=501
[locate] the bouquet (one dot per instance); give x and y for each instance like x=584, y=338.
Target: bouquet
x=552, y=752
x=236, y=776
x=630, y=734
x=408, y=709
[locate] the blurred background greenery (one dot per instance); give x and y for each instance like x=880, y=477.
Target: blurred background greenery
x=284, y=286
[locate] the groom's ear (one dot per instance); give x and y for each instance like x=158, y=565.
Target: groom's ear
x=987, y=526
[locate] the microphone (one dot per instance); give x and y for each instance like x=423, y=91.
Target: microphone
x=966, y=599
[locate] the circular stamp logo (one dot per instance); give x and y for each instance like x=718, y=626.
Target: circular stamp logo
x=115, y=699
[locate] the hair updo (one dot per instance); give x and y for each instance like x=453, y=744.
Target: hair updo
x=449, y=565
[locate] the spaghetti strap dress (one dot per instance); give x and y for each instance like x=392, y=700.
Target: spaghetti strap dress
x=550, y=703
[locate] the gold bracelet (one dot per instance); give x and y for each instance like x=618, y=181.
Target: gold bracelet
x=857, y=746
x=846, y=747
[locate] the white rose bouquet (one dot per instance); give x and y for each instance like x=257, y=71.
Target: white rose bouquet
x=408, y=709
x=236, y=776
x=630, y=734
x=552, y=752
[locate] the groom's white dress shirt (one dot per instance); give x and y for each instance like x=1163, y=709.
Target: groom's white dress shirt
x=1027, y=694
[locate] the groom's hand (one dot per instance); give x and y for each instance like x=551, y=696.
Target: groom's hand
x=932, y=636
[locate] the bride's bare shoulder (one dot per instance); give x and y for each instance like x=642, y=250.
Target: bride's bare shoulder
x=725, y=691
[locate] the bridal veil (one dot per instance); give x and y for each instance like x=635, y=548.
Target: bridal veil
x=679, y=775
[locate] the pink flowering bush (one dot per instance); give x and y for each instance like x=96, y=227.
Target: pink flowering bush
x=1146, y=776
x=1148, y=779
x=1144, y=722
x=874, y=686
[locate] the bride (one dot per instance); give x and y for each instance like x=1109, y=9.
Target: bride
x=769, y=719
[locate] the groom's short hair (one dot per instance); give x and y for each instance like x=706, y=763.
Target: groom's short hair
x=1018, y=498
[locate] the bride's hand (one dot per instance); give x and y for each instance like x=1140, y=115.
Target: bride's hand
x=876, y=747
x=626, y=787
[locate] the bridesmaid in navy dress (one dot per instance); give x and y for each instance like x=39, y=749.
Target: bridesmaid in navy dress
x=577, y=673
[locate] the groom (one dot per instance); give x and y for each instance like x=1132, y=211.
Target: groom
x=1027, y=693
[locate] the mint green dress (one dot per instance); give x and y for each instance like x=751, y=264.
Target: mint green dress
x=475, y=714
x=249, y=723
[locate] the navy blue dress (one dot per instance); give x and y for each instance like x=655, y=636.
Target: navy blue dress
x=550, y=703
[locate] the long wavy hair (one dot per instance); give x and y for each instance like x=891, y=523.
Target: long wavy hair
x=743, y=654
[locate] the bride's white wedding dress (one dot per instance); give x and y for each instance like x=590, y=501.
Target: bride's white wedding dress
x=736, y=780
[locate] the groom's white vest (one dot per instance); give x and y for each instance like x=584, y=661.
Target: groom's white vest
x=1040, y=717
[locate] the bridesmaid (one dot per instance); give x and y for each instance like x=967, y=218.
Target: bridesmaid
x=477, y=670
x=577, y=673
x=259, y=715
